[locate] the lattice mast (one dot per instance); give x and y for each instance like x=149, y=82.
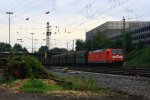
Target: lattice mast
x=48, y=34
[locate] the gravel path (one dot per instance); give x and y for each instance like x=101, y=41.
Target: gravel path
x=139, y=86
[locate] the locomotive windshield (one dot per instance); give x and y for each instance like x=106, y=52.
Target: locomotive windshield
x=117, y=52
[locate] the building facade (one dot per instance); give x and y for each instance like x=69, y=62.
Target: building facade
x=112, y=29
x=141, y=34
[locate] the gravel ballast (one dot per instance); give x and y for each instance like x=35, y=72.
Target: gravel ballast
x=132, y=85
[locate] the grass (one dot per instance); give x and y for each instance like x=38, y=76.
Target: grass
x=81, y=83
x=77, y=83
x=38, y=86
x=73, y=83
x=139, y=58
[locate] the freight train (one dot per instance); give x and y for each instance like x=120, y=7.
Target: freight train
x=88, y=58
x=78, y=58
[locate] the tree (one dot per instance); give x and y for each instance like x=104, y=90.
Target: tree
x=116, y=43
x=99, y=41
x=18, y=49
x=25, y=50
x=4, y=47
x=140, y=45
x=129, y=45
x=80, y=45
x=119, y=42
x=43, y=49
x=58, y=50
x=89, y=44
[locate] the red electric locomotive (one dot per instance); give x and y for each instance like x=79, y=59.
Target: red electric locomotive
x=106, y=56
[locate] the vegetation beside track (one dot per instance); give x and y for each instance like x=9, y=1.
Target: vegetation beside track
x=30, y=69
x=39, y=86
x=74, y=83
x=139, y=58
x=21, y=67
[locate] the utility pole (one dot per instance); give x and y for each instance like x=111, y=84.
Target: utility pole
x=124, y=36
x=32, y=41
x=67, y=45
x=9, y=23
x=73, y=46
x=48, y=33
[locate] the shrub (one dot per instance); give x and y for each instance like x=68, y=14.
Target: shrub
x=24, y=67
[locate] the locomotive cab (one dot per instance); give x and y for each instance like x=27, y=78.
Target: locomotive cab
x=116, y=55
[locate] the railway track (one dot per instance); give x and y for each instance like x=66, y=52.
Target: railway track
x=141, y=72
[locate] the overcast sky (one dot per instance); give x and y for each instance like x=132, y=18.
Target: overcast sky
x=70, y=19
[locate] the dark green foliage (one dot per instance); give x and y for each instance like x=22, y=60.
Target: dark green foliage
x=129, y=45
x=140, y=45
x=99, y=41
x=139, y=58
x=116, y=43
x=24, y=67
x=119, y=43
x=80, y=45
x=4, y=47
x=18, y=49
x=89, y=44
x=43, y=49
x=3, y=62
x=58, y=50
x=24, y=50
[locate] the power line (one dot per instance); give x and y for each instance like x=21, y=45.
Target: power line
x=102, y=12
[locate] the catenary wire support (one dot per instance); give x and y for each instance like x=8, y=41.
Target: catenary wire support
x=9, y=23
x=48, y=34
x=32, y=41
x=124, y=36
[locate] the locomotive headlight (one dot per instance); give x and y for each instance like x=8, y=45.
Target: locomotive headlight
x=114, y=57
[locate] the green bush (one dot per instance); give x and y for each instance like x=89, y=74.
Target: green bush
x=24, y=67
